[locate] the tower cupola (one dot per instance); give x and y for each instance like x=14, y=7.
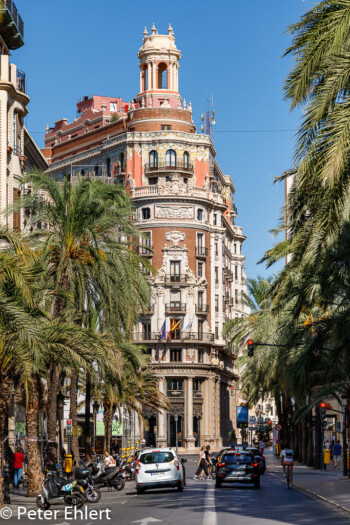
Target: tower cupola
x=159, y=66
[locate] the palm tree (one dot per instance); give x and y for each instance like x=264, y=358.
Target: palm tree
x=88, y=251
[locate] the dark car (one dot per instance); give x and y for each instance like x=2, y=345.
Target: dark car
x=238, y=467
x=215, y=458
x=257, y=454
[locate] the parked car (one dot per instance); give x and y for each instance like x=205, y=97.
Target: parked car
x=159, y=468
x=216, y=457
x=237, y=467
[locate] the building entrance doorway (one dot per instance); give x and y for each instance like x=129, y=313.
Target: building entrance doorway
x=172, y=431
x=197, y=430
x=150, y=435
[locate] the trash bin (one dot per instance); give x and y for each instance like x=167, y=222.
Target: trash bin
x=68, y=463
x=326, y=456
x=278, y=449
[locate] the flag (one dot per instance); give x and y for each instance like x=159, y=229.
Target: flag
x=162, y=333
x=171, y=327
x=189, y=326
x=182, y=323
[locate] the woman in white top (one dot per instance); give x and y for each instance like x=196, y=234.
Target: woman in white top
x=109, y=461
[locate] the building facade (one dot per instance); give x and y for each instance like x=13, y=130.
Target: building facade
x=184, y=208
x=16, y=145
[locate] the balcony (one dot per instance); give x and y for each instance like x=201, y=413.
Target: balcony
x=140, y=337
x=175, y=308
x=202, y=309
x=201, y=252
x=163, y=166
x=176, y=279
x=175, y=393
x=11, y=26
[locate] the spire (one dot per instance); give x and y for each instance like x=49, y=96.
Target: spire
x=153, y=29
x=145, y=32
x=170, y=30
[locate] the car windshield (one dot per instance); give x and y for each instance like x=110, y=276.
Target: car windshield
x=150, y=458
x=236, y=457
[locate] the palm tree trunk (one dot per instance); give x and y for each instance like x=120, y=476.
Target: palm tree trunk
x=318, y=437
x=6, y=389
x=34, y=472
x=51, y=455
x=304, y=441
x=87, y=417
x=73, y=412
x=310, y=442
x=109, y=409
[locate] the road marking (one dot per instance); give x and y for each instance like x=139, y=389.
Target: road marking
x=145, y=521
x=210, y=516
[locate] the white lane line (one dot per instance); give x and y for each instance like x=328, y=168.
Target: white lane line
x=210, y=517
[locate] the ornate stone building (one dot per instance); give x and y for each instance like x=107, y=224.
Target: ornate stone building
x=186, y=213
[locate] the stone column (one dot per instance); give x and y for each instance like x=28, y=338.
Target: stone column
x=190, y=440
x=161, y=427
x=154, y=68
x=141, y=80
x=206, y=411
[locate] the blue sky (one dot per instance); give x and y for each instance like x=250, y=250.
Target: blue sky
x=230, y=49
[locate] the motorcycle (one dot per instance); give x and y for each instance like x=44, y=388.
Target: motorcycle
x=57, y=490
x=110, y=477
x=128, y=470
x=86, y=481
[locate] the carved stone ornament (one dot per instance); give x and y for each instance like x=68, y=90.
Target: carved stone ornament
x=190, y=353
x=174, y=212
x=175, y=237
x=160, y=351
x=197, y=410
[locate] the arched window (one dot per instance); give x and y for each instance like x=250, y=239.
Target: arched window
x=186, y=160
x=153, y=159
x=162, y=76
x=145, y=78
x=121, y=162
x=170, y=158
x=108, y=167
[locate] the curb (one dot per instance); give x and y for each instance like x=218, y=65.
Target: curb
x=300, y=488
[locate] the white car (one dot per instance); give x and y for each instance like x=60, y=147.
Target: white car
x=159, y=468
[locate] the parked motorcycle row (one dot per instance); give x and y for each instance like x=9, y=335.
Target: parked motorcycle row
x=85, y=483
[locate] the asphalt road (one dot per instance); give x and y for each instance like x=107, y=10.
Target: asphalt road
x=202, y=504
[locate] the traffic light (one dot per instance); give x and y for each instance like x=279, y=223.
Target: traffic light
x=250, y=348
x=323, y=410
x=232, y=391
x=69, y=428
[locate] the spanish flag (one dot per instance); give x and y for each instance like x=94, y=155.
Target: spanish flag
x=173, y=326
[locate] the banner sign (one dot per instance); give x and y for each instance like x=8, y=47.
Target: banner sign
x=242, y=417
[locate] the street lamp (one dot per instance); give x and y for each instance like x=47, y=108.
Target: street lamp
x=176, y=419
x=60, y=406
x=95, y=408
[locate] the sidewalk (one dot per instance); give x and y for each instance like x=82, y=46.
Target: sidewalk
x=329, y=485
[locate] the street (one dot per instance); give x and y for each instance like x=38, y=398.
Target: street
x=202, y=504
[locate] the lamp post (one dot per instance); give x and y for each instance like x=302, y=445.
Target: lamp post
x=60, y=406
x=345, y=441
x=176, y=419
x=95, y=408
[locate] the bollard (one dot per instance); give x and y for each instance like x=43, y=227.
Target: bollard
x=68, y=463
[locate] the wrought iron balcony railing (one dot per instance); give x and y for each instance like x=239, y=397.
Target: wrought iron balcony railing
x=175, y=308
x=164, y=166
x=201, y=251
x=202, y=308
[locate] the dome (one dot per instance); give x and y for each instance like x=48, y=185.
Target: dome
x=158, y=43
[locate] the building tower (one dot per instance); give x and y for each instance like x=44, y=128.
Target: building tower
x=184, y=208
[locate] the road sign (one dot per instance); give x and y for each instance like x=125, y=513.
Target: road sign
x=267, y=419
x=252, y=428
x=260, y=419
x=77, y=431
x=278, y=427
x=252, y=420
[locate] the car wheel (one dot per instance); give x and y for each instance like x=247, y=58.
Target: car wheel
x=140, y=491
x=218, y=484
x=180, y=486
x=257, y=483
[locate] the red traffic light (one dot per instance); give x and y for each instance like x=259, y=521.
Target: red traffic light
x=323, y=404
x=270, y=422
x=69, y=422
x=250, y=342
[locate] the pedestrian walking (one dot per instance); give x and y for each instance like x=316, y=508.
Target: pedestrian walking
x=262, y=447
x=18, y=459
x=202, y=465
x=337, y=451
x=208, y=460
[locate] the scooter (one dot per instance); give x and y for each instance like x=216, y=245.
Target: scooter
x=109, y=477
x=86, y=481
x=57, y=490
x=128, y=470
